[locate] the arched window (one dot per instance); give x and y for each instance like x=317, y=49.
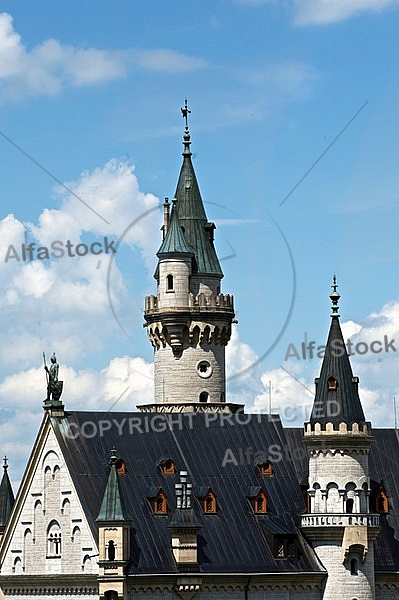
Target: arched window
x=204, y=397
x=17, y=566
x=53, y=539
x=111, y=595
x=111, y=550
x=169, y=283
x=66, y=507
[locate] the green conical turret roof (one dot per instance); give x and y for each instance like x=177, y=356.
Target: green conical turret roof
x=337, y=398
x=192, y=217
x=174, y=243
x=112, y=506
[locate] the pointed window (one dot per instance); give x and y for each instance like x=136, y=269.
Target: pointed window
x=169, y=283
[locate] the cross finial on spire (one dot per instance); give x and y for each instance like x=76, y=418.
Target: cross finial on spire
x=5, y=464
x=185, y=112
x=334, y=296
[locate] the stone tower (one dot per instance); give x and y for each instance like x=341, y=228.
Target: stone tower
x=189, y=320
x=338, y=439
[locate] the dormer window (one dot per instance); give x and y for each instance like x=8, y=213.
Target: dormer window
x=209, y=503
x=120, y=466
x=258, y=500
x=167, y=466
x=169, y=283
x=332, y=383
x=266, y=468
x=381, y=502
x=285, y=546
x=159, y=504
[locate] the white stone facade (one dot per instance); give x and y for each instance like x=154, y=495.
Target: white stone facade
x=50, y=537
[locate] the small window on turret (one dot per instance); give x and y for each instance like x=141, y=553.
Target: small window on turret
x=169, y=283
x=332, y=383
x=203, y=397
x=120, y=466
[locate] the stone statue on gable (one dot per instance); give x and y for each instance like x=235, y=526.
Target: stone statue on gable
x=54, y=386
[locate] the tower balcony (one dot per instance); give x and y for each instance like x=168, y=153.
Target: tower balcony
x=200, y=302
x=340, y=520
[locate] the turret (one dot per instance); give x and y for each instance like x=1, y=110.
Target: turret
x=6, y=498
x=114, y=527
x=189, y=320
x=338, y=439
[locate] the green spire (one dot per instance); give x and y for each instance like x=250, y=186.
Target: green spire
x=337, y=397
x=191, y=213
x=112, y=506
x=6, y=497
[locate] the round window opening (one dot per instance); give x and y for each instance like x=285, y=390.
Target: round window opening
x=204, y=369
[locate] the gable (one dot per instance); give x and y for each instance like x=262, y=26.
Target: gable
x=48, y=531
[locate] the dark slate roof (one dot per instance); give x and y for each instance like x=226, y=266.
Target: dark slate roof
x=175, y=243
x=383, y=466
x=231, y=541
x=113, y=505
x=192, y=217
x=6, y=498
x=343, y=403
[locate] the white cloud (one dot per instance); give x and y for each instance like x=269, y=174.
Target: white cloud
x=63, y=303
x=168, y=61
x=323, y=12
x=21, y=398
x=320, y=12
x=50, y=67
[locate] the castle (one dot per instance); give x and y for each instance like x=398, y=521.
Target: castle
x=190, y=497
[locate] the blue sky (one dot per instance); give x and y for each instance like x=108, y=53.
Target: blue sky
x=93, y=93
